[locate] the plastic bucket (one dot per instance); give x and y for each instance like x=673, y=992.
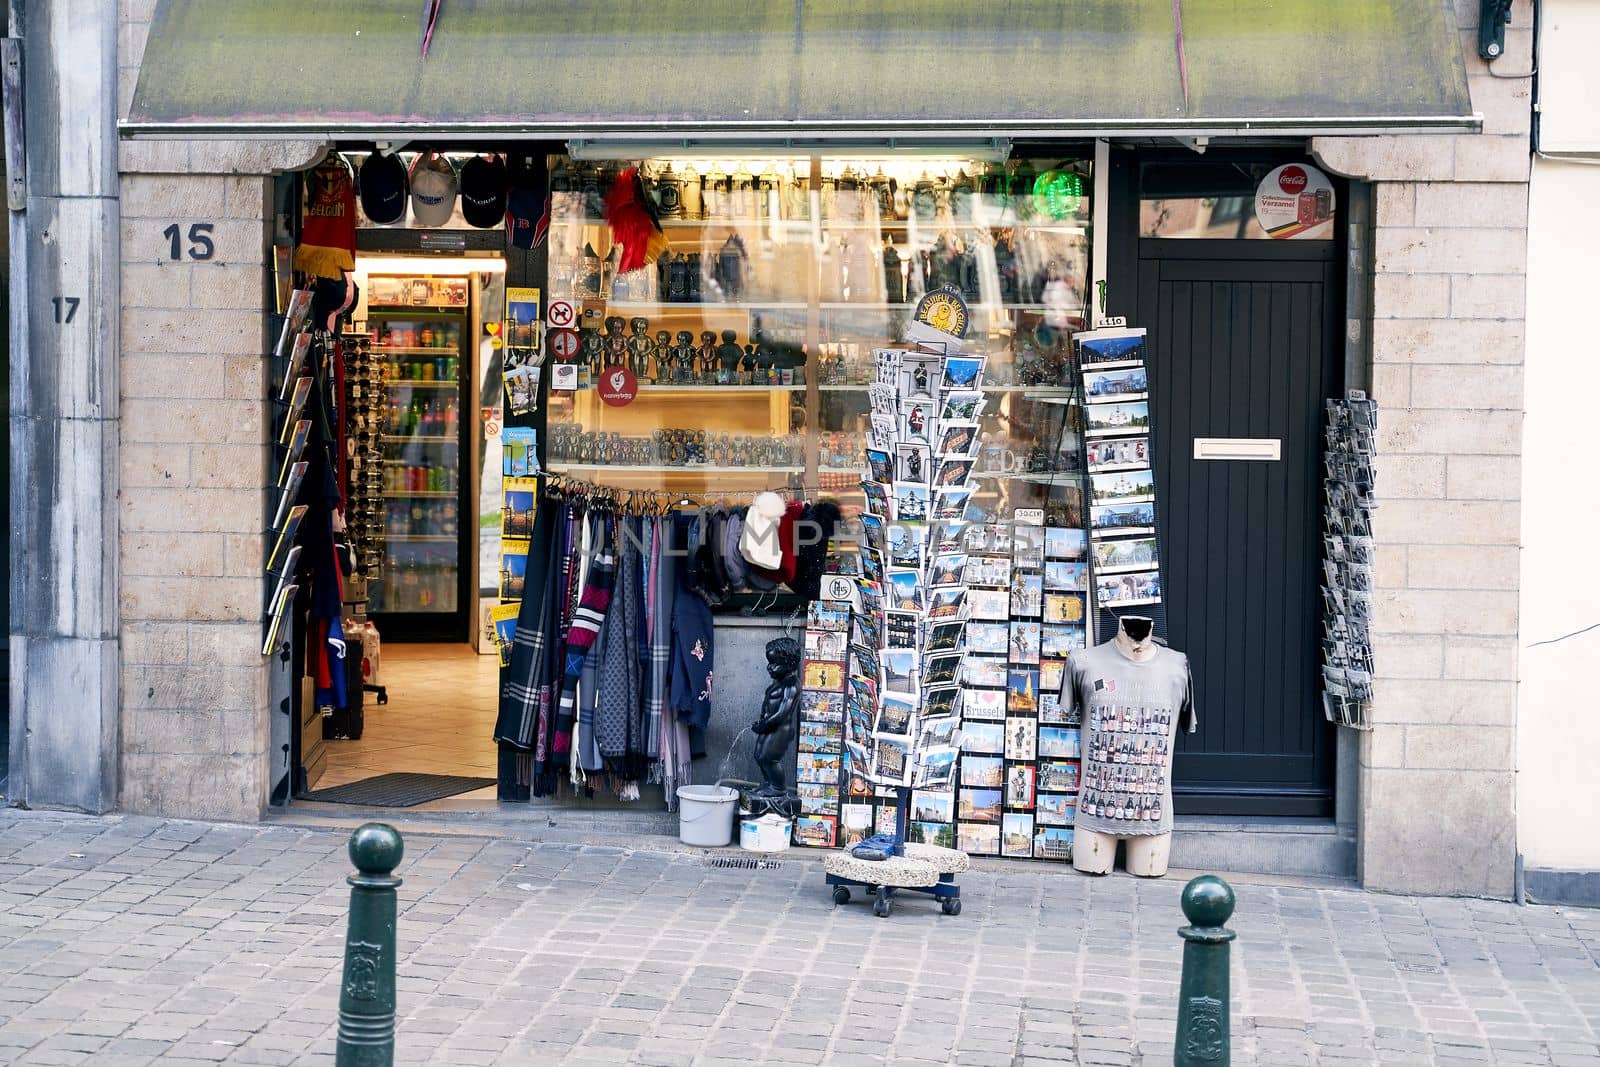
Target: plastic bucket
x=705, y=814
x=769, y=833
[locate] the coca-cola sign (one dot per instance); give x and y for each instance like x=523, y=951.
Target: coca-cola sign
x=1292, y=179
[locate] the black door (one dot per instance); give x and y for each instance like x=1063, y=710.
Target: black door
x=1243, y=344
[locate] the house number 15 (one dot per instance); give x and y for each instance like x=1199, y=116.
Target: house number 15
x=200, y=243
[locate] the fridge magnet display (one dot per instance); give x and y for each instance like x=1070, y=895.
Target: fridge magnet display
x=1016, y=836
x=1027, y=593
x=1024, y=645
x=822, y=674
x=815, y=830
x=979, y=805
x=1062, y=542
x=1133, y=554
x=983, y=738
x=1060, y=575
x=1122, y=487
x=982, y=772
x=1022, y=692
x=1060, y=742
x=961, y=405
x=1121, y=453
x=984, y=672
x=984, y=704
x=1113, y=519
x=1021, y=741
x=1120, y=383
x=1125, y=590
x=1059, y=776
x=1064, y=607
x=949, y=570
x=978, y=839
x=1105, y=419
x=927, y=806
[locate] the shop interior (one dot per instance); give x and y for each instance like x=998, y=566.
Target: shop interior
x=750, y=335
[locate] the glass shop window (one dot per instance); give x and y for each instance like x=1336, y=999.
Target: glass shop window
x=1203, y=199
x=752, y=333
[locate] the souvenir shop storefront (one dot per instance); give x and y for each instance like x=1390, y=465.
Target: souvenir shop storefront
x=778, y=402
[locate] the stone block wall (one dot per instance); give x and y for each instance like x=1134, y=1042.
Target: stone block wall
x=1437, y=804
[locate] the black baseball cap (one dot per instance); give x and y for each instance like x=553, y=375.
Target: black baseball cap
x=483, y=191
x=384, y=188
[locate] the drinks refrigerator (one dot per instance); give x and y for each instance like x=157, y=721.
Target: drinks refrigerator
x=423, y=325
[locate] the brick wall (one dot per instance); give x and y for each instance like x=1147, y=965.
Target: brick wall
x=1437, y=804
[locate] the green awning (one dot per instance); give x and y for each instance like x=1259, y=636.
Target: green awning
x=776, y=69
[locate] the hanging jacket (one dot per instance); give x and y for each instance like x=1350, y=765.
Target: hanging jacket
x=693, y=645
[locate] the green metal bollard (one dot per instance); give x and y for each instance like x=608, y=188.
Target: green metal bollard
x=1203, y=990
x=366, y=994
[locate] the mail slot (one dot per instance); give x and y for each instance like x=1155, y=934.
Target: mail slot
x=1265, y=449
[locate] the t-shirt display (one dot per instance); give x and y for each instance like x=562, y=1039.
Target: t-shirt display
x=1131, y=712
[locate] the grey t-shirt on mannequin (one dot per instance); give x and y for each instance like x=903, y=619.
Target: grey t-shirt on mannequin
x=1130, y=713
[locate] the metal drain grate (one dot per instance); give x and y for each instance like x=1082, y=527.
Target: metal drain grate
x=742, y=863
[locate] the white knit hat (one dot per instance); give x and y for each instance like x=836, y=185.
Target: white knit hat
x=759, y=544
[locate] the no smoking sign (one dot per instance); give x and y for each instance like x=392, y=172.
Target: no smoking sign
x=563, y=343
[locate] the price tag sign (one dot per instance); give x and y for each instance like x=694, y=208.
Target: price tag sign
x=562, y=314
x=564, y=344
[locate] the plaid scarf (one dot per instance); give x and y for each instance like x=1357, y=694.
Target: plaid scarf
x=593, y=602
x=527, y=680
x=616, y=724
x=660, y=579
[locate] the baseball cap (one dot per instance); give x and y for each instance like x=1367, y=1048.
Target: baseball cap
x=383, y=188
x=433, y=189
x=528, y=202
x=483, y=191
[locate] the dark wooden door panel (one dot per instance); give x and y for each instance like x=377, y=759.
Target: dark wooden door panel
x=1243, y=347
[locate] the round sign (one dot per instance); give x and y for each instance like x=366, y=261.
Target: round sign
x=563, y=343
x=618, y=386
x=1295, y=201
x=562, y=313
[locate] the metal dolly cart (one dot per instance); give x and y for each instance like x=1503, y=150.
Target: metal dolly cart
x=912, y=868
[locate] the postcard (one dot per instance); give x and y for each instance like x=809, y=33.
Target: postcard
x=1122, y=487
x=1065, y=542
x=1016, y=835
x=1065, y=608
x=1114, y=519
x=1125, y=590
x=1103, y=420
x=1115, y=384
x=1121, y=453
x=984, y=738
x=1132, y=554
x=823, y=674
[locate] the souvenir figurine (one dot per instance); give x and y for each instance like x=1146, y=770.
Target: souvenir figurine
x=684, y=351
x=894, y=281
x=731, y=261
x=882, y=188
x=689, y=184
x=678, y=279
x=616, y=344
x=668, y=189
x=665, y=356
x=692, y=268
x=639, y=347
x=748, y=364
x=591, y=346
x=728, y=355
x=706, y=356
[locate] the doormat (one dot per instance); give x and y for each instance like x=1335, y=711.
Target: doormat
x=402, y=789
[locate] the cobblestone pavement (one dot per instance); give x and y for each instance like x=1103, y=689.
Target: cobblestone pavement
x=136, y=941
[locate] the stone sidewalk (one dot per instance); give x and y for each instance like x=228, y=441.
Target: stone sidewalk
x=138, y=941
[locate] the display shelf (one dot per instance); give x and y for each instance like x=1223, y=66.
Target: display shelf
x=434, y=538
x=413, y=383
x=792, y=388
x=402, y=494
x=701, y=305
x=558, y=465
x=420, y=309
x=1044, y=477
x=393, y=439
x=837, y=224
x=417, y=350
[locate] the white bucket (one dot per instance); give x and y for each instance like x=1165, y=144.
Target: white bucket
x=705, y=814
x=769, y=833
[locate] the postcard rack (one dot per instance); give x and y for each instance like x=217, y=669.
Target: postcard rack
x=291, y=384
x=1347, y=560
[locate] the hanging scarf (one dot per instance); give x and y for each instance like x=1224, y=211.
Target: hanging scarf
x=657, y=647
x=527, y=680
x=567, y=571
x=328, y=221
x=617, y=725
x=593, y=602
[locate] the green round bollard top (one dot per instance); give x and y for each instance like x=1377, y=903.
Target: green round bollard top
x=376, y=848
x=1207, y=901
